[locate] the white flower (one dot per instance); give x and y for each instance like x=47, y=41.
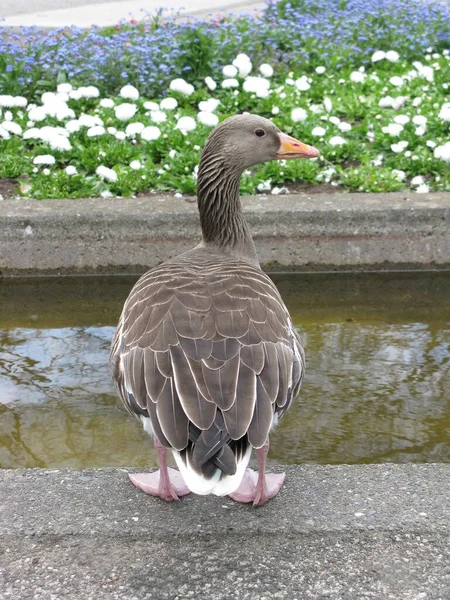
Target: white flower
x=120, y=135
x=417, y=180
x=150, y=133
x=393, y=129
x=229, y=83
x=44, y=159
x=243, y=64
x=45, y=171
x=135, y=165
x=73, y=126
x=326, y=175
x=318, y=131
x=279, y=190
x=70, y=170
x=257, y=85
x=64, y=88
x=125, y=111
x=208, y=118
x=417, y=101
x=396, y=81
x=158, y=116
x=186, y=124
x=298, y=115
x=378, y=55
x=13, y=101
x=424, y=71
x=320, y=70
x=419, y=120
x=423, y=189
x=12, y=127
x=266, y=70
x=399, y=147
x=344, y=127
x=357, y=77
x=400, y=175
x=60, y=142
x=89, y=121
x=106, y=103
x=264, y=186
x=48, y=97
x=62, y=96
x=74, y=95
x=443, y=152
x=37, y=113
x=208, y=105
x=168, y=104
x=111, y=130
x=275, y=110
x=210, y=83
x=444, y=113
x=386, y=102
x=106, y=174
x=33, y=133
x=229, y=71
x=129, y=92
x=173, y=153
x=106, y=194
x=4, y=134
x=89, y=91
x=302, y=84
x=337, y=140
x=151, y=105
x=328, y=105
x=398, y=102
x=431, y=144
x=402, y=119
x=334, y=120
x=96, y=131
x=392, y=56
x=132, y=129
x=421, y=130
x=181, y=86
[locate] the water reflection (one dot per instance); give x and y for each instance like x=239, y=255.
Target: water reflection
x=377, y=389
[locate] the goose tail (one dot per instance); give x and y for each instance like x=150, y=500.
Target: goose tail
x=213, y=463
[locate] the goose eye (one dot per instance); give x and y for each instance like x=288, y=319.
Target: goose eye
x=260, y=132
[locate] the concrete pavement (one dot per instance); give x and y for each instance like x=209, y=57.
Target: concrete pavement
x=48, y=14
x=296, y=232
x=378, y=532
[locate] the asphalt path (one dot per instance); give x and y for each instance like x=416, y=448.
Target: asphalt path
x=84, y=13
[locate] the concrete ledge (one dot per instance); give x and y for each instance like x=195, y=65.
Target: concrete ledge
x=342, y=231
x=343, y=532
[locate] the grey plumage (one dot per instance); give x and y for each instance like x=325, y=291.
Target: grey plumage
x=205, y=347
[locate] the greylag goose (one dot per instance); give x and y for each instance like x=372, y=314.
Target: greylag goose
x=205, y=353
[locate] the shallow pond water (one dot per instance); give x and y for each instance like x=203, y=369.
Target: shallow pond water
x=377, y=387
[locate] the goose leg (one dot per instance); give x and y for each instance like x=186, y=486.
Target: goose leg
x=167, y=483
x=259, y=487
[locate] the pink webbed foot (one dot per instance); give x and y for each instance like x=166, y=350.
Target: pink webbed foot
x=258, y=491
x=152, y=483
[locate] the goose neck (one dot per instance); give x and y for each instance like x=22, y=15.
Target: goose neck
x=222, y=221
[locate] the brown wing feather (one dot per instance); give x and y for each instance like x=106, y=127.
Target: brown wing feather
x=201, y=333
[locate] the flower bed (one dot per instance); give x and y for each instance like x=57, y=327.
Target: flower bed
x=366, y=85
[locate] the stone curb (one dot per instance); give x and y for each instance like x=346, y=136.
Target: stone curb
x=292, y=232
x=341, y=532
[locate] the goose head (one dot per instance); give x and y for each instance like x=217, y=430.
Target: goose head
x=245, y=140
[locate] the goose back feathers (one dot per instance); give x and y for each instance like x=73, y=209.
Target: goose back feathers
x=206, y=351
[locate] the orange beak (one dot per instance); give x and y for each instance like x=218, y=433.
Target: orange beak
x=292, y=148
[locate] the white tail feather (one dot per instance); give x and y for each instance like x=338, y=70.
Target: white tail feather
x=217, y=485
